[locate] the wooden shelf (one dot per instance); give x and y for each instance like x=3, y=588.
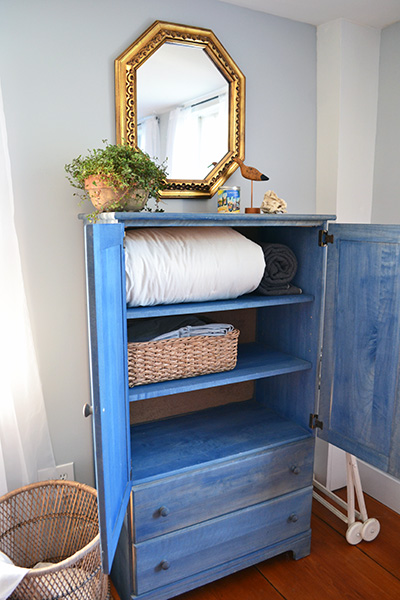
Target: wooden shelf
x=163, y=448
x=255, y=361
x=246, y=301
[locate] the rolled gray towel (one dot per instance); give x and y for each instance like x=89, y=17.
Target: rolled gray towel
x=280, y=269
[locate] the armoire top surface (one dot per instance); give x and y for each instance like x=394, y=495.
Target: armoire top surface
x=149, y=219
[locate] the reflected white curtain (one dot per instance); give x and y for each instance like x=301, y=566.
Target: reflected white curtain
x=182, y=144
x=197, y=136
x=149, y=136
x=213, y=133
x=25, y=444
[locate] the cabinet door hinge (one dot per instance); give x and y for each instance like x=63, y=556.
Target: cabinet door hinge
x=315, y=422
x=325, y=238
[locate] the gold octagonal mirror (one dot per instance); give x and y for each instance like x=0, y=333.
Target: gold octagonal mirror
x=181, y=97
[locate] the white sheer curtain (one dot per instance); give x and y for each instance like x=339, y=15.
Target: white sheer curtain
x=25, y=444
x=197, y=136
x=173, y=121
x=149, y=136
x=182, y=144
x=213, y=133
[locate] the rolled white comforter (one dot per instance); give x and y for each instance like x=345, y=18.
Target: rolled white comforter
x=189, y=264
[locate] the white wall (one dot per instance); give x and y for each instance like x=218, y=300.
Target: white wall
x=56, y=69
x=347, y=99
x=386, y=205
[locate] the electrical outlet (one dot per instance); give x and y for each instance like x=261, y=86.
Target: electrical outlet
x=64, y=472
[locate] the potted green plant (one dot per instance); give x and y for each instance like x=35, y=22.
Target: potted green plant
x=117, y=178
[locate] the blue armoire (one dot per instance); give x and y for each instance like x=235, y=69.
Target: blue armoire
x=200, y=477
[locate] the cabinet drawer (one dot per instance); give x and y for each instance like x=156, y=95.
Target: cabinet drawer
x=191, y=498
x=176, y=555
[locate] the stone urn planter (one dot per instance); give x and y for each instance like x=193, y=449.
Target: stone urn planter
x=103, y=195
x=116, y=178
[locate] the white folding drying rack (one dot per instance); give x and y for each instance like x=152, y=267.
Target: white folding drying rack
x=363, y=528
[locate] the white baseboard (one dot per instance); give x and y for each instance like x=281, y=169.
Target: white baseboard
x=330, y=470
x=381, y=486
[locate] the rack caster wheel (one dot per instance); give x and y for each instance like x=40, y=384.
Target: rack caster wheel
x=370, y=529
x=354, y=533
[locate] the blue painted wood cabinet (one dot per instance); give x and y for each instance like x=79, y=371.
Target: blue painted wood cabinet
x=222, y=478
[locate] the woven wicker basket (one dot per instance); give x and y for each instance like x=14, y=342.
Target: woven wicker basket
x=150, y=362
x=54, y=522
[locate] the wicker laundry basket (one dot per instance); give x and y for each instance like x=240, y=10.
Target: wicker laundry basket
x=177, y=358
x=54, y=522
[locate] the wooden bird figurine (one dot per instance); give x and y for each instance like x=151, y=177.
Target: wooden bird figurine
x=252, y=174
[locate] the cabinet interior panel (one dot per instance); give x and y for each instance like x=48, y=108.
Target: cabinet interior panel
x=366, y=325
x=168, y=406
x=166, y=447
x=243, y=320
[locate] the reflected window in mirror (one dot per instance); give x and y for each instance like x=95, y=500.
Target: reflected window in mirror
x=187, y=124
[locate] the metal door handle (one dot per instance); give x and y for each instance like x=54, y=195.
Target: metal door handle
x=87, y=410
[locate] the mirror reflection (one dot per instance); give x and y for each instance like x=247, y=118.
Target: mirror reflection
x=182, y=110
x=180, y=96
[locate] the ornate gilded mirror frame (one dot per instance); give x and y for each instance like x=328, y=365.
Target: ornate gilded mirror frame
x=126, y=66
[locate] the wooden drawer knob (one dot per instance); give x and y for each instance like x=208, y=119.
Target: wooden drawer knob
x=164, y=565
x=293, y=518
x=163, y=511
x=295, y=469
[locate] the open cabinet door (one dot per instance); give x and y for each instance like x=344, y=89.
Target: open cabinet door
x=359, y=400
x=108, y=364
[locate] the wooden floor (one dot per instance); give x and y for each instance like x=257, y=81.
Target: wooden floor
x=333, y=571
